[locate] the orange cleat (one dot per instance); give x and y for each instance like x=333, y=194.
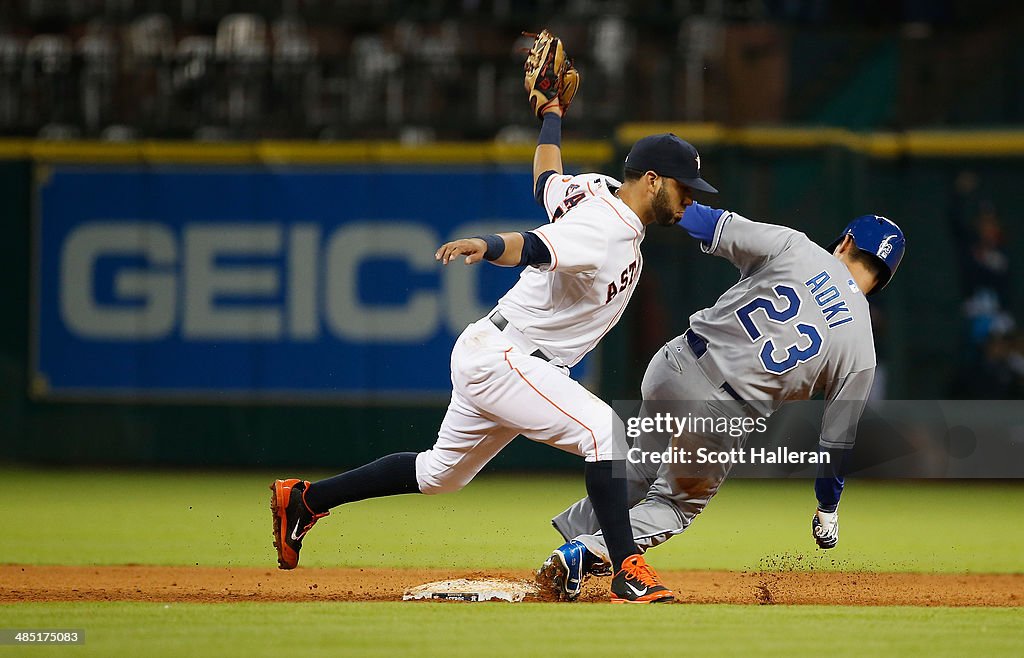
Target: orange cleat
x=636, y=582
x=292, y=519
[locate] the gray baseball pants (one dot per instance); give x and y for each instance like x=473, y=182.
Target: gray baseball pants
x=665, y=498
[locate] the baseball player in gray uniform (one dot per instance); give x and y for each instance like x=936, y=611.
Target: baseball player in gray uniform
x=796, y=324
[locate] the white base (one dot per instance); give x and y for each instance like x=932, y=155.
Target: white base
x=482, y=589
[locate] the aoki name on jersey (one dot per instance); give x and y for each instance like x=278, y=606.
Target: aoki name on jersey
x=829, y=299
x=626, y=279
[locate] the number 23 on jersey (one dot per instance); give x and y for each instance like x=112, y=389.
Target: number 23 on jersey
x=794, y=354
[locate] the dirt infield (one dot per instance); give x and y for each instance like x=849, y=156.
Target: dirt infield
x=210, y=584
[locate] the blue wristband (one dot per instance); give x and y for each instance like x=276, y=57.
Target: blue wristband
x=495, y=246
x=700, y=221
x=551, y=130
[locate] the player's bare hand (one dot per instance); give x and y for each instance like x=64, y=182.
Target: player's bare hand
x=472, y=248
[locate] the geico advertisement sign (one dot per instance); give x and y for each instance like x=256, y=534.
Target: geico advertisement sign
x=264, y=281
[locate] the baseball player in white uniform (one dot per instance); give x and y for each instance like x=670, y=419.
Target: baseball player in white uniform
x=796, y=324
x=510, y=369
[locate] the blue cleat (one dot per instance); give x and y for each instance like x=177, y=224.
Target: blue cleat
x=564, y=570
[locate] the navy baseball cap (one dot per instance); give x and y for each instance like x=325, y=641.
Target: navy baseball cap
x=667, y=155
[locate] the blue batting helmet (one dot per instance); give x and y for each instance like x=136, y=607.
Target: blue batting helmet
x=879, y=237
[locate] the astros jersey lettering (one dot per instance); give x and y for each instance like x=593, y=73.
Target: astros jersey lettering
x=566, y=307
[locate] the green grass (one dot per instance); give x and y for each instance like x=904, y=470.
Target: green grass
x=222, y=519
x=397, y=629
x=167, y=518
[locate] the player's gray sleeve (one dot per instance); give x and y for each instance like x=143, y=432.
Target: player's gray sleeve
x=748, y=244
x=844, y=403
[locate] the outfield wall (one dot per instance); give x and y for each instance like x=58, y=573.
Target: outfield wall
x=276, y=303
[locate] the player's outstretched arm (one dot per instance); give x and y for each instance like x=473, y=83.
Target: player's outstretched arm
x=845, y=399
x=501, y=249
x=547, y=158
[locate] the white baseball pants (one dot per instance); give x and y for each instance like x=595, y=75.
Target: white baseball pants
x=498, y=392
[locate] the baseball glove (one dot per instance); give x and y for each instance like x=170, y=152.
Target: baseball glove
x=549, y=74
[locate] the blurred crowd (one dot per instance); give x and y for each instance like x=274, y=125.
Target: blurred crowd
x=337, y=69
x=992, y=356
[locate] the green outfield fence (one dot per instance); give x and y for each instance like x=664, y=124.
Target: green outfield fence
x=814, y=179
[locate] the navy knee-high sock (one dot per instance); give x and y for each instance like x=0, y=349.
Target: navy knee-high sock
x=388, y=476
x=609, y=498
